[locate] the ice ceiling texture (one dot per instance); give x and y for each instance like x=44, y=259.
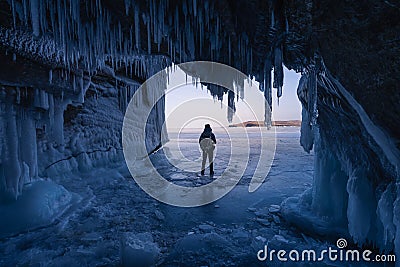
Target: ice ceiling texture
x=88, y=57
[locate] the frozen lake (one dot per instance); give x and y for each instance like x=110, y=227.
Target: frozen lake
x=227, y=232
x=290, y=174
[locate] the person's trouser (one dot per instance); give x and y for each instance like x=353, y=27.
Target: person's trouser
x=210, y=155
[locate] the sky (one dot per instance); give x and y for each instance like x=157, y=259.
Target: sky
x=188, y=106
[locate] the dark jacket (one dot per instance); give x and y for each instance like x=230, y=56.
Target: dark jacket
x=207, y=133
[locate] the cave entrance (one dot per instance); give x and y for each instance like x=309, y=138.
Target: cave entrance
x=189, y=106
x=291, y=171
x=182, y=90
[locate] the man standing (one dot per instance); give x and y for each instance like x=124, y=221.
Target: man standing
x=207, y=144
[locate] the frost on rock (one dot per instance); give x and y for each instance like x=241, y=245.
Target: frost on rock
x=41, y=203
x=26, y=112
x=307, y=93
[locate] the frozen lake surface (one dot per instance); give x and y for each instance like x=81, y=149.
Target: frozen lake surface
x=116, y=220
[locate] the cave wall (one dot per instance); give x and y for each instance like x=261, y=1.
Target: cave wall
x=360, y=45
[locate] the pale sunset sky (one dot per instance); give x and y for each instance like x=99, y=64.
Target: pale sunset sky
x=191, y=107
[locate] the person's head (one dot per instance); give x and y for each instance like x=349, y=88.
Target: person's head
x=207, y=127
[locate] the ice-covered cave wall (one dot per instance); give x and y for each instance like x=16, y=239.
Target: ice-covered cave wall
x=354, y=191
x=350, y=102
x=63, y=100
x=71, y=123
x=100, y=51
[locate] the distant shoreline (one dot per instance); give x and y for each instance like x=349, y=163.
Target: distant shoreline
x=249, y=124
x=261, y=123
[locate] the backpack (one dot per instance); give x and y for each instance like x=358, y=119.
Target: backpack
x=207, y=144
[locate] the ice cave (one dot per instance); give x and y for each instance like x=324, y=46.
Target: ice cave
x=70, y=71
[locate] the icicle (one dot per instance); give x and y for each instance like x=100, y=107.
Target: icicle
x=18, y=95
x=251, y=60
x=13, y=13
x=50, y=76
x=82, y=90
x=44, y=101
x=272, y=18
x=34, y=5
x=231, y=105
x=176, y=21
x=120, y=36
x=279, y=92
x=200, y=31
x=184, y=8
x=25, y=17
x=36, y=98
x=278, y=71
x=74, y=83
x=137, y=28
x=148, y=37
x=28, y=144
x=127, y=6
x=162, y=26
x=267, y=94
x=11, y=158
x=286, y=25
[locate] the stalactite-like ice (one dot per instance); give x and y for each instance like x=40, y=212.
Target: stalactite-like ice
x=266, y=87
x=231, y=105
x=13, y=171
x=28, y=143
x=278, y=71
x=362, y=209
x=34, y=6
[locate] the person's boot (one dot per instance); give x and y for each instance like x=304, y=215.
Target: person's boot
x=202, y=172
x=211, y=169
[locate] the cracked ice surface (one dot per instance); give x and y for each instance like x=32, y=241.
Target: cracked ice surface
x=115, y=214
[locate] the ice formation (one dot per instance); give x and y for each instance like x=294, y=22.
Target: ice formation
x=349, y=195
x=42, y=203
x=80, y=55
x=74, y=43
